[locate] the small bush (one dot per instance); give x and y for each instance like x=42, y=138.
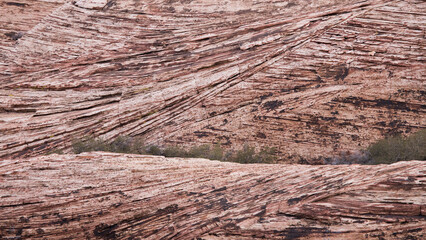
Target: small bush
x=138, y=146
x=267, y=155
x=174, y=151
x=154, y=150
x=216, y=152
x=245, y=155
x=248, y=155
x=122, y=145
x=90, y=145
x=398, y=148
x=386, y=151
x=202, y=151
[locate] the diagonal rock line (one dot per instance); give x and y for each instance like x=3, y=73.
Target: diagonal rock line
x=163, y=86
x=242, y=76
x=136, y=196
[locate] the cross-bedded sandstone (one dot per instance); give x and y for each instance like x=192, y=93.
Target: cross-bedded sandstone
x=116, y=196
x=311, y=78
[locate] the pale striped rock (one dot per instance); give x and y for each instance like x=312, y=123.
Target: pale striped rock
x=116, y=196
x=311, y=78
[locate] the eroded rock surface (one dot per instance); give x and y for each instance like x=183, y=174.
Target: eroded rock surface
x=115, y=196
x=311, y=78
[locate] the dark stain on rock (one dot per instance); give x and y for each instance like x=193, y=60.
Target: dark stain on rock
x=16, y=4
x=411, y=179
x=109, y=4
x=271, y=105
x=62, y=220
x=261, y=213
x=389, y=104
x=116, y=205
x=201, y=134
x=105, y=231
x=14, y=35
x=169, y=209
x=291, y=4
x=299, y=232
x=219, y=189
x=227, y=140
x=294, y=89
x=355, y=137
x=24, y=220
x=328, y=119
x=295, y=200
x=341, y=74
x=263, y=97
x=260, y=135
x=224, y=204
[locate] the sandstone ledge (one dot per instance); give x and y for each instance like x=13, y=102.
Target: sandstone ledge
x=116, y=196
x=311, y=78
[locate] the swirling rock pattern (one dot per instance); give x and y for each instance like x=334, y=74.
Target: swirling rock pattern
x=116, y=196
x=311, y=78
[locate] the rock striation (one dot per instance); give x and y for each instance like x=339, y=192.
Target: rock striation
x=311, y=78
x=116, y=196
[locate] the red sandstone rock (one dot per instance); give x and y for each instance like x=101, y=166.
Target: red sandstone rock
x=116, y=196
x=311, y=78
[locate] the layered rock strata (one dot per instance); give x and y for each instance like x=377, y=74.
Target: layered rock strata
x=115, y=196
x=311, y=78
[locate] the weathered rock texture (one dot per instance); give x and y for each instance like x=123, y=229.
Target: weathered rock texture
x=311, y=78
x=114, y=196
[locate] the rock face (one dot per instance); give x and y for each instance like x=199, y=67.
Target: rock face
x=115, y=196
x=311, y=78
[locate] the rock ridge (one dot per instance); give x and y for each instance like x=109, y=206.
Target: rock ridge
x=118, y=196
x=312, y=78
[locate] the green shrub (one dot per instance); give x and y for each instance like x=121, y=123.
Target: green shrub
x=89, y=144
x=174, y=151
x=245, y=155
x=202, y=151
x=398, y=148
x=122, y=145
x=154, y=150
x=267, y=155
x=138, y=146
x=248, y=155
x=216, y=152
x=386, y=151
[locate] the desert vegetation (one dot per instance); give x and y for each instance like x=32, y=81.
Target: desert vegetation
x=385, y=151
x=122, y=144
x=399, y=148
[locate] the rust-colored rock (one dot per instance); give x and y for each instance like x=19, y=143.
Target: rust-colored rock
x=311, y=78
x=115, y=196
